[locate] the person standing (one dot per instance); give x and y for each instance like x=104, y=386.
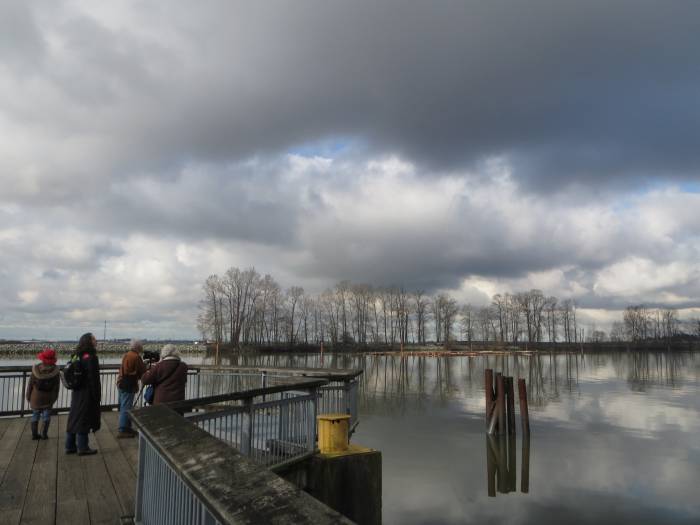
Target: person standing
x=130, y=371
x=84, y=415
x=42, y=391
x=168, y=376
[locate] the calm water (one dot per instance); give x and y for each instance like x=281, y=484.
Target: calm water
x=615, y=438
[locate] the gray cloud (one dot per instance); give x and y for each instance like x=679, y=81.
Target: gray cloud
x=544, y=145
x=571, y=92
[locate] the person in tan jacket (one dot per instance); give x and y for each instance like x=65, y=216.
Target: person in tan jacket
x=130, y=371
x=42, y=391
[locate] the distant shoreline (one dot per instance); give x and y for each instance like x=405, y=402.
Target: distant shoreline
x=13, y=348
x=19, y=348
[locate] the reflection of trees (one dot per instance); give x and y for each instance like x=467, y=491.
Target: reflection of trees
x=644, y=369
x=392, y=383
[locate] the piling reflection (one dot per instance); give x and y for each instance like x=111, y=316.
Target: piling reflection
x=501, y=465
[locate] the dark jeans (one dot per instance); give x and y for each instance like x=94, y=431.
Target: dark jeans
x=82, y=441
x=126, y=402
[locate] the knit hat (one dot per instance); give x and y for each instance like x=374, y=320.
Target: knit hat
x=47, y=356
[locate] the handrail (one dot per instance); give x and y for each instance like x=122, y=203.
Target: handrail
x=247, y=394
x=334, y=373
x=207, y=481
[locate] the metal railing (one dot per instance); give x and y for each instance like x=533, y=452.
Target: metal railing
x=272, y=425
x=187, y=476
x=166, y=498
x=339, y=395
x=14, y=380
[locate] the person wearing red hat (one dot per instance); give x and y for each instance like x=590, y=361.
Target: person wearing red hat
x=42, y=391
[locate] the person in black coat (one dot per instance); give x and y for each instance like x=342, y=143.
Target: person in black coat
x=84, y=413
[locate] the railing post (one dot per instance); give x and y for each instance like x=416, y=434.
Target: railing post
x=351, y=402
x=264, y=383
x=283, y=432
x=22, y=394
x=312, y=424
x=247, y=436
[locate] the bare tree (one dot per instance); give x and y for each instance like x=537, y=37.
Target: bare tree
x=636, y=321
x=421, y=306
x=467, y=322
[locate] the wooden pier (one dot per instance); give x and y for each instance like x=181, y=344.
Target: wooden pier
x=39, y=484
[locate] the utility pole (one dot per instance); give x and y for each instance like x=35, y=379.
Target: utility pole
x=104, y=335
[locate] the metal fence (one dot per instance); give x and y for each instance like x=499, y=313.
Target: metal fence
x=14, y=381
x=165, y=498
x=270, y=432
x=339, y=395
x=186, y=475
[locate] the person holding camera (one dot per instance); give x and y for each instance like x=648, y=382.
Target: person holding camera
x=168, y=376
x=130, y=371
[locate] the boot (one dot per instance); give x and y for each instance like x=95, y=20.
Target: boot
x=35, y=430
x=45, y=430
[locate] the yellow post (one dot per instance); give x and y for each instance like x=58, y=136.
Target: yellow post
x=333, y=433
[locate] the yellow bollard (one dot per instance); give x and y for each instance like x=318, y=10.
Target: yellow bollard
x=333, y=433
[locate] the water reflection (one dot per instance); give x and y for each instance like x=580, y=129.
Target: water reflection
x=616, y=437
x=501, y=464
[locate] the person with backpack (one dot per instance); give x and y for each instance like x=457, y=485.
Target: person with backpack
x=42, y=391
x=130, y=371
x=168, y=377
x=84, y=413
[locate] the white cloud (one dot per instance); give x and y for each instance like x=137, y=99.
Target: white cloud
x=147, y=146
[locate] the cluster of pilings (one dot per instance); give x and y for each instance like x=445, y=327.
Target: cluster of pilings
x=500, y=420
x=500, y=404
x=501, y=465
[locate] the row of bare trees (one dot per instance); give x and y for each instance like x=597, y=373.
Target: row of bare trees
x=640, y=323
x=244, y=307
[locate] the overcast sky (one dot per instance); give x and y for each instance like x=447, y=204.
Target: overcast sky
x=463, y=146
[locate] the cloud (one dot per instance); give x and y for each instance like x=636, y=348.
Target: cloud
x=572, y=94
x=469, y=148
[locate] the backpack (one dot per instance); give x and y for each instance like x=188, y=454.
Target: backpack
x=45, y=384
x=72, y=375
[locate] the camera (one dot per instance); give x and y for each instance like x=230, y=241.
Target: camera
x=151, y=356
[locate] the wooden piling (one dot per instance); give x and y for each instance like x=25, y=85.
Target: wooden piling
x=501, y=403
x=525, y=468
x=512, y=465
x=490, y=468
x=510, y=399
x=502, y=465
x=488, y=394
x=524, y=415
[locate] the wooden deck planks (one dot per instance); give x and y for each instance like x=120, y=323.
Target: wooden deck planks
x=40, y=503
x=8, y=443
x=13, y=489
x=40, y=484
x=122, y=476
x=102, y=498
x=129, y=447
x=71, y=490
